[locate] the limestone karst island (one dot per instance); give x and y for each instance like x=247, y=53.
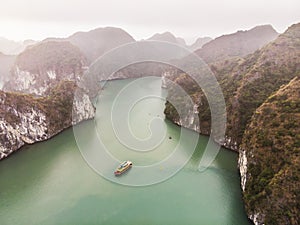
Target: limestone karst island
x=165, y=114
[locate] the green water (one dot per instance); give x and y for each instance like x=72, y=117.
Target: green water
x=50, y=183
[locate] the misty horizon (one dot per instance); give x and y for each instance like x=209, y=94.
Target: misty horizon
x=189, y=40
x=190, y=20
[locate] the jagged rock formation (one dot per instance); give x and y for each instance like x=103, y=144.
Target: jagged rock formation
x=45, y=65
x=96, y=42
x=25, y=119
x=238, y=44
x=199, y=43
x=6, y=63
x=270, y=159
x=171, y=38
x=247, y=83
x=168, y=37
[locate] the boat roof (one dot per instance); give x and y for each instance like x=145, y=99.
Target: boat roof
x=124, y=164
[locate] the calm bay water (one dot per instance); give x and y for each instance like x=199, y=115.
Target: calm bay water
x=50, y=183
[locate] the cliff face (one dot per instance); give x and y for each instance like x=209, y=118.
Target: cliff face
x=38, y=99
x=269, y=142
x=25, y=119
x=246, y=84
x=269, y=68
x=270, y=159
x=238, y=44
x=191, y=88
x=43, y=66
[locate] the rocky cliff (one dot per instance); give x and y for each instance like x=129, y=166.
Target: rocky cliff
x=246, y=84
x=26, y=119
x=39, y=97
x=43, y=66
x=268, y=144
x=270, y=159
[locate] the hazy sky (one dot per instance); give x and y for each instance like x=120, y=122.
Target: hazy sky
x=38, y=19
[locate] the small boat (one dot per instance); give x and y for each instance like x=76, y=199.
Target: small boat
x=123, y=168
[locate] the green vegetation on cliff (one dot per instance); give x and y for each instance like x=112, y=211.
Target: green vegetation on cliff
x=247, y=82
x=262, y=92
x=56, y=106
x=275, y=64
x=95, y=43
x=60, y=57
x=43, y=66
x=272, y=146
x=238, y=44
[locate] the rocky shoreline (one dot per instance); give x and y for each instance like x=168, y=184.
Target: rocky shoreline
x=26, y=119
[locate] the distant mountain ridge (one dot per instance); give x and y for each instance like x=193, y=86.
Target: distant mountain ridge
x=96, y=42
x=200, y=42
x=9, y=47
x=238, y=44
x=168, y=37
